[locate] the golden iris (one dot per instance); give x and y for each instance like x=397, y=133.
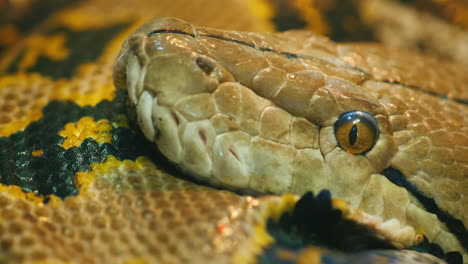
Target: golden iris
x=356, y=132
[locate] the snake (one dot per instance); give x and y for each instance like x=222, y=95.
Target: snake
x=240, y=134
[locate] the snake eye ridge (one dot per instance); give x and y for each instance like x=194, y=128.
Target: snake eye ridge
x=356, y=132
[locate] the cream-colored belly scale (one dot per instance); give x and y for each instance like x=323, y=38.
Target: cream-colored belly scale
x=256, y=112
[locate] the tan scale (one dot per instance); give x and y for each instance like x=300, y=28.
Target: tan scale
x=116, y=213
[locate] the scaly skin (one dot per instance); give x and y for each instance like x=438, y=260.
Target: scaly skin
x=76, y=189
x=255, y=112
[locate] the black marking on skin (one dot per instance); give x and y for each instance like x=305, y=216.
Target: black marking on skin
x=278, y=254
x=36, y=13
x=353, y=134
x=340, y=18
x=337, y=19
x=285, y=22
x=297, y=56
x=315, y=222
x=54, y=171
x=84, y=46
x=425, y=246
x=286, y=15
x=453, y=224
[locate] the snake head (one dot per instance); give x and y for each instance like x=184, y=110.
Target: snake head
x=237, y=111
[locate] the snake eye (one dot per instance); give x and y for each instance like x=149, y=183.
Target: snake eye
x=356, y=132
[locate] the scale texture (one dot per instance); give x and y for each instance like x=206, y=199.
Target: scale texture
x=80, y=184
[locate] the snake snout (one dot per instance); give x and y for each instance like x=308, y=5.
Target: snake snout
x=168, y=77
x=176, y=84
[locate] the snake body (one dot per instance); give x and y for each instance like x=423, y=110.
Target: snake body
x=256, y=111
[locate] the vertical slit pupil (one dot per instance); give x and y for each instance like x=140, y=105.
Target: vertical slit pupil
x=353, y=134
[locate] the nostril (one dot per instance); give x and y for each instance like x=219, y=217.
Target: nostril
x=205, y=65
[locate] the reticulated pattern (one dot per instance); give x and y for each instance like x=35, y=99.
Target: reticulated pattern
x=131, y=212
